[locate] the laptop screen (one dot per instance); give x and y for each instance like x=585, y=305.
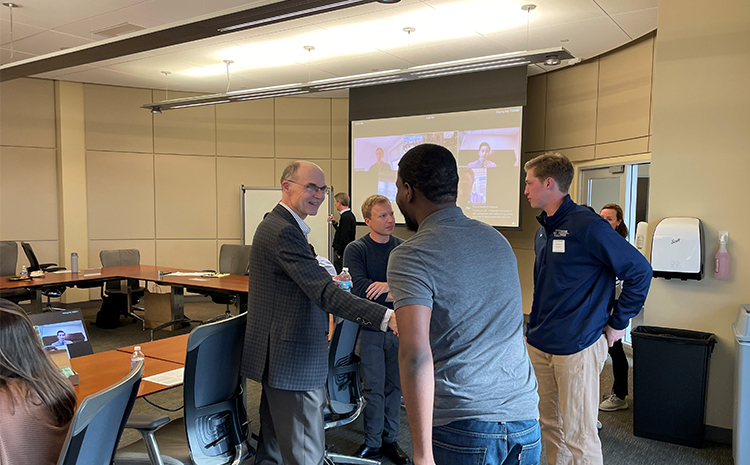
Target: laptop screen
x=63, y=330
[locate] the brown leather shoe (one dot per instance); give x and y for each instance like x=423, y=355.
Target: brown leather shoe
x=394, y=453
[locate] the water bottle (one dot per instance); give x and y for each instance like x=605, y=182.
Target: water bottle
x=344, y=280
x=24, y=272
x=74, y=262
x=137, y=356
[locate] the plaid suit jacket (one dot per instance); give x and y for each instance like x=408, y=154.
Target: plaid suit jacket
x=286, y=343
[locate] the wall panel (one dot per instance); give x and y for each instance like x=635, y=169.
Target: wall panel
x=245, y=129
x=571, y=106
x=27, y=113
x=185, y=197
x=303, y=128
x=120, y=195
x=115, y=120
x=231, y=174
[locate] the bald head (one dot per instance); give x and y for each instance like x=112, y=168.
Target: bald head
x=301, y=187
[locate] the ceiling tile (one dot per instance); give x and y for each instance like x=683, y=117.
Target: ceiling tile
x=615, y=7
x=638, y=23
x=39, y=44
x=20, y=31
x=49, y=15
x=17, y=56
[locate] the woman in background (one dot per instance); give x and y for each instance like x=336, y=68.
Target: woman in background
x=36, y=402
x=616, y=400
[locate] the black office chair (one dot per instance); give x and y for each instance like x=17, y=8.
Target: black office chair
x=233, y=259
x=34, y=265
x=8, y=260
x=215, y=428
x=99, y=421
x=343, y=386
x=133, y=292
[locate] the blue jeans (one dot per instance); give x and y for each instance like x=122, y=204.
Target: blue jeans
x=470, y=442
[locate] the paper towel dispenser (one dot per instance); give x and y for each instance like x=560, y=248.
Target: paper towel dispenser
x=677, y=249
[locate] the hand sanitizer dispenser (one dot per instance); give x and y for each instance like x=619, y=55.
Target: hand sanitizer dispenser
x=677, y=249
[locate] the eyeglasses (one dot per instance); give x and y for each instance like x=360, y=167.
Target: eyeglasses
x=312, y=188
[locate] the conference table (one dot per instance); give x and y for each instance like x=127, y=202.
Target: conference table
x=233, y=284
x=101, y=370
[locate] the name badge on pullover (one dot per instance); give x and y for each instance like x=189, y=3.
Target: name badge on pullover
x=558, y=246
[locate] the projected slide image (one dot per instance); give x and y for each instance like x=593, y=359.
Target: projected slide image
x=448, y=139
x=490, y=148
x=376, y=154
x=472, y=187
x=58, y=335
x=485, y=143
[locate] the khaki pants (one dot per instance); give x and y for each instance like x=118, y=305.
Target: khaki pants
x=569, y=403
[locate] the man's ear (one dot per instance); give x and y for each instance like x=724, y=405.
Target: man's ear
x=367, y=221
x=409, y=192
x=549, y=183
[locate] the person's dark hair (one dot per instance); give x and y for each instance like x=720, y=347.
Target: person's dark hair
x=343, y=198
x=621, y=228
x=552, y=165
x=431, y=169
x=591, y=209
x=483, y=144
x=24, y=363
x=61, y=331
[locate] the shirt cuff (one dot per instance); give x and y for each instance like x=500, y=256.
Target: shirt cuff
x=386, y=319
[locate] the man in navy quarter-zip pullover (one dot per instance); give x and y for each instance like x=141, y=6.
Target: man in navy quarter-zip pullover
x=578, y=257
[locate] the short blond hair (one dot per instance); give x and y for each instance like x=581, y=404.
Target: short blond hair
x=373, y=200
x=553, y=165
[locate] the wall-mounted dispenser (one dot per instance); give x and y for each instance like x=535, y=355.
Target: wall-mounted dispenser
x=677, y=249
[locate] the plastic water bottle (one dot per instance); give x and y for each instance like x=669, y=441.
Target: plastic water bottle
x=74, y=262
x=24, y=272
x=137, y=356
x=344, y=280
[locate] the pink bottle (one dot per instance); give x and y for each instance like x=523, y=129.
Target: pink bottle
x=722, y=257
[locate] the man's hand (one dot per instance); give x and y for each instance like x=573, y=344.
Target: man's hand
x=392, y=324
x=375, y=289
x=613, y=335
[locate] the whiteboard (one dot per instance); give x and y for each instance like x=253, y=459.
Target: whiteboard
x=257, y=201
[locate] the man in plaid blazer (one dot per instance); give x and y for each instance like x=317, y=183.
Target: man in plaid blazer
x=286, y=343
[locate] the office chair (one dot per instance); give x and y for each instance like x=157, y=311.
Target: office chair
x=8, y=260
x=343, y=386
x=34, y=265
x=215, y=428
x=134, y=291
x=233, y=259
x=99, y=421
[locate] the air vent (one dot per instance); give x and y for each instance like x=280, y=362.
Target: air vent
x=118, y=30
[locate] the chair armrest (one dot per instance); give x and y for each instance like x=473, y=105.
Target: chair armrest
x=50, y=267
x=146, y=422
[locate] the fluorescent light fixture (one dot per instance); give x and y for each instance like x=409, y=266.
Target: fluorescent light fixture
x=295, y=14
x=354, y=76
x=201, y=104
x=467, y=60
x=247, y=91
x=280, y=94
x=375, y=78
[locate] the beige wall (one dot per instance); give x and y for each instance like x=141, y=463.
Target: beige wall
x=596, y=112
x=699, y=168
x=173, y=188
x=28, y=168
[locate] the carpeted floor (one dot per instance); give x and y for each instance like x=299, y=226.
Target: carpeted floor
x=619, y=445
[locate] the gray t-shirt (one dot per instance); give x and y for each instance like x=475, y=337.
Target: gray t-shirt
x=466, y=272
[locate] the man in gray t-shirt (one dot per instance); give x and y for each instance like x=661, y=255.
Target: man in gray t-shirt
x=466, y=377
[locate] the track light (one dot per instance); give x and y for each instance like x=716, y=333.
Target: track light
x=552, y=60
x=156, y=111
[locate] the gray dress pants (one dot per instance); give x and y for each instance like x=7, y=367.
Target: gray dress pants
x=292, y=430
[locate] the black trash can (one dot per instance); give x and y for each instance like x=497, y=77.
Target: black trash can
x=670, y=374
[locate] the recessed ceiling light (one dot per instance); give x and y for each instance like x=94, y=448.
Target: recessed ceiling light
x=387, y=2
x=552, y=60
